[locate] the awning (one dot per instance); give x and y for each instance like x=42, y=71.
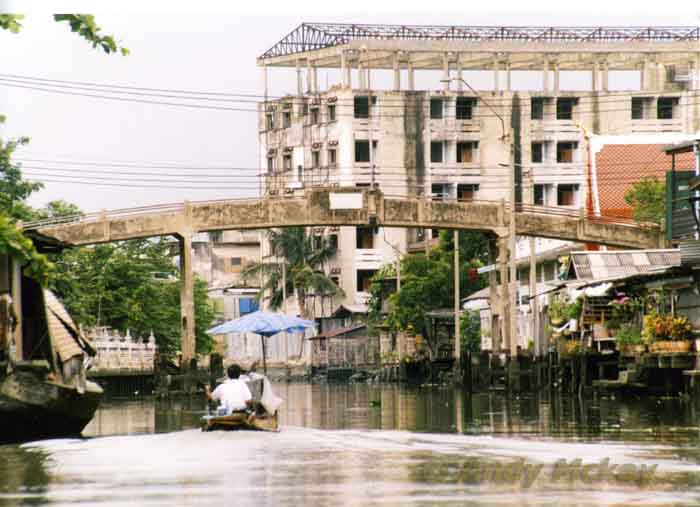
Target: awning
x=65, y=335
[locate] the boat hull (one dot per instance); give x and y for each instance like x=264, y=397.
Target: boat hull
x=33, y=408
x=241, y=421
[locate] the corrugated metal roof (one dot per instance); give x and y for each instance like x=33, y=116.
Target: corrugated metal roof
x=63, y=330
x=621, y=264
x=333, y=333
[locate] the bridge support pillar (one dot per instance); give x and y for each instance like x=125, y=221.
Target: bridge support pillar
x=496, y=310
x=187, y=332
x=506, y=300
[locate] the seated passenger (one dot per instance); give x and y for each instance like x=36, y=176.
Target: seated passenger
x=233, y=395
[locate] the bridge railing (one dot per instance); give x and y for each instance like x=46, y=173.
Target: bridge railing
x=568, y=212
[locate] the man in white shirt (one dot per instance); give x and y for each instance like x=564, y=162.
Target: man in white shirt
x=233, y=395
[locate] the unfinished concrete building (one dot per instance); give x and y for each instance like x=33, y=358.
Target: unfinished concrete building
x=434, y=111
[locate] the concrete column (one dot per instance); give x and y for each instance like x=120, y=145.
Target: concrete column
x=264, y=78
x=493, y=297
x=696, y=72
x=594, y=76
x=508, y=76
x=445, y=72
x=397, y=73
x=362, y=75
x=345, y=70
x=555, y=69
x=534, y=306
x=309, y=77
x=314, y=80
x=496, y=71
x=16, y=272
x=300, y=81
x=186, y=297
x=505, y=300
x=460, y=75
x=545, y=75
x=605, y=85
x=411, y=76
x=457, y=306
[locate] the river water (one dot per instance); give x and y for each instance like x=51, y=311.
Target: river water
x=356, y=445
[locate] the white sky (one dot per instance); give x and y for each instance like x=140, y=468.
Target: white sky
x=213, y=50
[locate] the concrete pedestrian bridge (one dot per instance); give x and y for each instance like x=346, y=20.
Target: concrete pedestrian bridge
x=333, y=207
x=349, y=207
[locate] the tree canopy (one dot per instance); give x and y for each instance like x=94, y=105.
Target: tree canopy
x=305, y=259
x=427, y=282
x=647, y=197
x=130, y=285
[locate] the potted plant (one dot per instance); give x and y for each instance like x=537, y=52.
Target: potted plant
x=629, y=340
x=573, y=313
x=667, y=333
x=557, y=311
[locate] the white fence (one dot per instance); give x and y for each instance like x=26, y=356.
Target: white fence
x=118, y=353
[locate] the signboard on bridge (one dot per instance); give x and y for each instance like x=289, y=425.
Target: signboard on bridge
x=345, y=200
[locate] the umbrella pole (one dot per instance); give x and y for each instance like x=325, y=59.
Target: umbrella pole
x=262, y=340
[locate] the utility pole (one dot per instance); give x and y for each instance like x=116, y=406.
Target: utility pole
x=458, y=344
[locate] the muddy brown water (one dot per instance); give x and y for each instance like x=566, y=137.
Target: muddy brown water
x=356, y=445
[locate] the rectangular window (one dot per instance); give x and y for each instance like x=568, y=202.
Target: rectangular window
x=247, y=305
x=364, y=279
x=331, y=157
x=236, y=261
x=270, y=164
x=565, y=152
x=287, y=162
x=333, y=241
x=540, y=195
x=436, y=152
x=315, y=159
x=361, y=151
x=467, y=192
x=637, y=108
x=464, y=108
x=466, y=151
x=331, y=112
x=567, y=195
x=537, y=153
x=270, y=120
x=362, y=107
x=286, y=119
x=314, y=116
x=365, y=237
x=436, y=109
x=664, y=107
x=439, y=191
x=565, y=108
x=235, y=264
x=304, y=109
x=537, y=108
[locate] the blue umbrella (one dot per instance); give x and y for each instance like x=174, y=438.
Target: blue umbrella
x=263, y=323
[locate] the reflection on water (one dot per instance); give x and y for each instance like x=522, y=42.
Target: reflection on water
x=435, y=447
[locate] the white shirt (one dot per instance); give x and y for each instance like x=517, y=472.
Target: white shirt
x=232, y=395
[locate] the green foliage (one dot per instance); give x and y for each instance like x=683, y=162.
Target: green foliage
x=629, y=335
x=11, y=22
x=305, y=258
x=56, y=209
x=573, y=310
x=558, y=309
x=85, y=26
x=14, y=190
x=21, y=248
x=377, y=293
x=114, y=285
x=470, y=331
x=647, y=197
x=427, y=282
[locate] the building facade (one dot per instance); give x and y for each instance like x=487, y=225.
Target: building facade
x=437, y=111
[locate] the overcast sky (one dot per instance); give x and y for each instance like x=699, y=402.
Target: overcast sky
x=205, y=51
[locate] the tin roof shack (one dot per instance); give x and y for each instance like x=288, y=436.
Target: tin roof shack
x=43, y=388
x=344, y=347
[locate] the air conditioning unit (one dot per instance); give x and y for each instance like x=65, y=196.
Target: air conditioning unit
x=332, y=100
x=335, y=271
x=332, y=143
x=272, y=191
x=316, y=146
x=334, y=229
x=288, y=149
x=288, y=191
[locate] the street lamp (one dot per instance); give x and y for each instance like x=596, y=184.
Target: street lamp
x=511, y=298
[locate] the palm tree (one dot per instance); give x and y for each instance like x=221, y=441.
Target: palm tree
x=304, y=260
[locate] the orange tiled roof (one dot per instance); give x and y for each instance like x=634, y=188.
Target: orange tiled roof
x=618, y=166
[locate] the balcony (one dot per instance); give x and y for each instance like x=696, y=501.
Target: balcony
x=362, y=298
x=655, y=126
x=369, y=258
